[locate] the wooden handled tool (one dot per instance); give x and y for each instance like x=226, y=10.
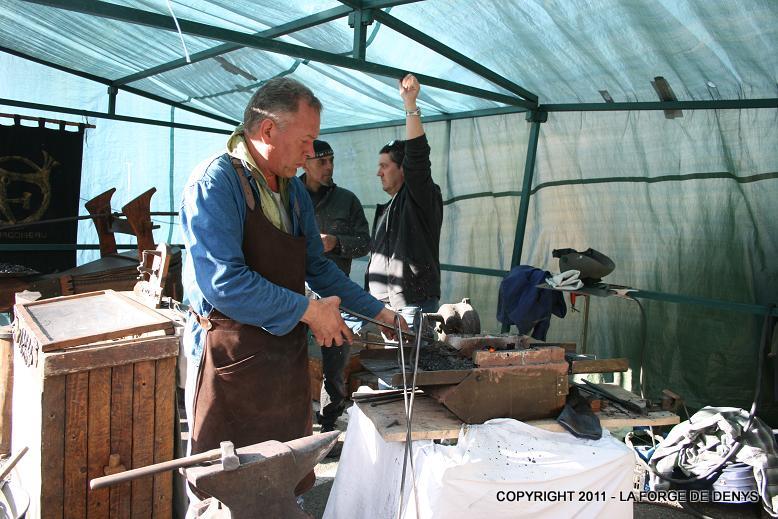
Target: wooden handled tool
x=226, y=453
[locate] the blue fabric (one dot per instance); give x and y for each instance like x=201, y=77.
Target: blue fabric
x=528, y=307
x=215, y=275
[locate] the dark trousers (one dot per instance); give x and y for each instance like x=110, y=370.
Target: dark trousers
x=334, y=389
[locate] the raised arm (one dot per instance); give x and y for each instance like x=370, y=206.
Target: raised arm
x=409, y=91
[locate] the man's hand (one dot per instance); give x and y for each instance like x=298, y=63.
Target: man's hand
x=327, y=326
x=387, y=316
x=409, y=91
x=329, y=241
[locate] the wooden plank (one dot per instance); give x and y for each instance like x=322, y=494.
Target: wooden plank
x=600, y=365
x=164, y=398
x=110, y=354
x=316, y=376
x=53, y=449
x=75, y=320
x=6, y=388
x=98, y=439
x=431, y=420
x=121, y=436
x=76, y=422
x=611, y=418
x=143, y=437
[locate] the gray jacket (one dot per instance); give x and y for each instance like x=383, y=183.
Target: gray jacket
x=339, y=212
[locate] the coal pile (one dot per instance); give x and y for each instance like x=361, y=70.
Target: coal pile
x=439, y=357
x=10, y=270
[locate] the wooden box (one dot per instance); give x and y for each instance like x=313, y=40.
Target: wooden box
x=86, y=410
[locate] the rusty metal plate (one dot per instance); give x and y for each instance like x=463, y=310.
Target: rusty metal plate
x=519, y=392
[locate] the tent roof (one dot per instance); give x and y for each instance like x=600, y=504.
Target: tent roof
x=563, y=51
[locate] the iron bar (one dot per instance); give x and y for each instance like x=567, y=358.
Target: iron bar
x=457, y=57
x=114, y=117
x=104, y=81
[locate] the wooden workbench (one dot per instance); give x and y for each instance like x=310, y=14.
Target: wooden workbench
x=432, y=421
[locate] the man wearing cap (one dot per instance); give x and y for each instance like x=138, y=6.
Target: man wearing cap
x=404, y=268
x=342, y=223
x=345, y=235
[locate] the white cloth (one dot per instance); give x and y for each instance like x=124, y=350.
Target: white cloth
x=463, y=481
x=567, y=280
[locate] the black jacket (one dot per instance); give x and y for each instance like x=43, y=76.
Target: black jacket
x=339, y=212
x=411, y=240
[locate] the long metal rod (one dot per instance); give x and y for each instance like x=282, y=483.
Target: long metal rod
x=383, y=324
x=713, y=104
x=274, y=32
x=408, y=406
x=451, y=54
x=529, y=172
x=164, y=22
x=300, y=24
x=113, y=117
x=427, y=119
x=104, y=81
x=46, y=120
x=585, y=324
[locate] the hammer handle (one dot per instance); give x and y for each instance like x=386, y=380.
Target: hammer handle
x=127, y=475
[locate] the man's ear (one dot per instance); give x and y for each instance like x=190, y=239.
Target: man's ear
x=265, y=128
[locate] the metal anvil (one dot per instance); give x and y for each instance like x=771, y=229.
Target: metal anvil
x=265, y=480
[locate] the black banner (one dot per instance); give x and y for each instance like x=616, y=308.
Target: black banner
x=40, y=179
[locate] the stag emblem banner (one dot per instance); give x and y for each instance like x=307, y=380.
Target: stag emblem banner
x=40, y=180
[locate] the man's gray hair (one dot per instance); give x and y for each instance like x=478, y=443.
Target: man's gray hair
x=275, y=99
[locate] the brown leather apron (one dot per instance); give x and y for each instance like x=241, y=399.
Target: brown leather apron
x=253, y=386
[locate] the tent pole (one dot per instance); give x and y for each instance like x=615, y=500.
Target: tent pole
x=104, y=81
x=160, y=21
x=535, y=118
x=112, y=91
x=359, y=21
x=114, y=117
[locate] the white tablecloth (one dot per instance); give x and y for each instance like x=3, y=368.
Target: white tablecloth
x=501, y=469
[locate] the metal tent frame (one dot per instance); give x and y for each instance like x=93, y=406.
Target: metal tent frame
x=361, y=14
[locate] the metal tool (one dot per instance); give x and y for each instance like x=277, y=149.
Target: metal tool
x=388, y=396
x=408, y=404
x=626, y=404
x=260, y=477
x=264, y=484
x=225, y=453
x=383, y=324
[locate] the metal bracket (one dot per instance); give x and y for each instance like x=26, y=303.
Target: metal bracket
x=366, y=18
x=537, y=116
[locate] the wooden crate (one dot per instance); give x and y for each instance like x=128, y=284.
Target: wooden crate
x=76, y=407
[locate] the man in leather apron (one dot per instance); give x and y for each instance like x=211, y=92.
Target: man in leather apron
x=252, y=243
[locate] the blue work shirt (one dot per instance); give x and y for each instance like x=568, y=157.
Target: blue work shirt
x=215, y=274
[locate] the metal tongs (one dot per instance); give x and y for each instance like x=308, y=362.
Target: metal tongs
x=396, y=329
